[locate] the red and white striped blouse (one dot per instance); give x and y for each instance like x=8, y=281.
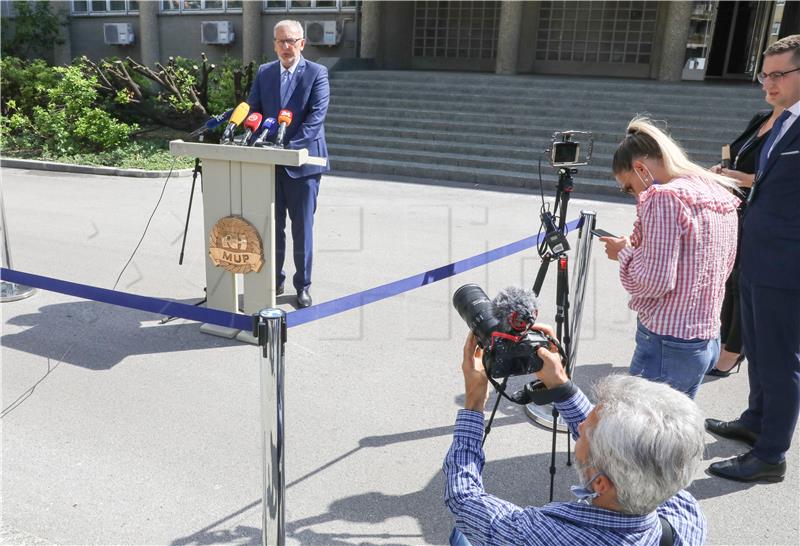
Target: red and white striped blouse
x=683, y=248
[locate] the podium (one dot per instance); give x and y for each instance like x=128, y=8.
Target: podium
x=239, y=181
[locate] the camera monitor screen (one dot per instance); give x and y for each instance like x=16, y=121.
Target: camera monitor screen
x=566, y=153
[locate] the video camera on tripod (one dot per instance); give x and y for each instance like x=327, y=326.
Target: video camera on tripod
x=565, y=153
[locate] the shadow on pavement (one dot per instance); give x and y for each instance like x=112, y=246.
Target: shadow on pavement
x=97, y=336
x=521, y=480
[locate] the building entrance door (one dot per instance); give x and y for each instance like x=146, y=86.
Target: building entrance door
x=739, y=37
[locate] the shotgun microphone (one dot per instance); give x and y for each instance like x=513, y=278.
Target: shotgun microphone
x=211, y=124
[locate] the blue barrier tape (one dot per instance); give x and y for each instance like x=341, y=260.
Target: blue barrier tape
x=294, y=318
x=124, y=299
x=301, y=316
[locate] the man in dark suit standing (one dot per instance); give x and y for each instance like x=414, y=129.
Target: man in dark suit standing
x=770, y=285
x=300, y=86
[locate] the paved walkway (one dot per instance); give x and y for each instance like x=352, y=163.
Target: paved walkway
x=118, y=430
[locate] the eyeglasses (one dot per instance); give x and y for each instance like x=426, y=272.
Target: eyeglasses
x=774, y=76
x=627, y=190
x=288, y=41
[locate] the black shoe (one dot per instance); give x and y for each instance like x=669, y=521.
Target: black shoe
x=303, y=298
x=279, y=291
x=716, y=372
x=748, y=468
x=734, y=430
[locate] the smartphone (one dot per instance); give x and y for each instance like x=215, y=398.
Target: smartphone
x=602, y=233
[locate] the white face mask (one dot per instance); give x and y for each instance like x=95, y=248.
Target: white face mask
x=583, y=492
x=643, y=181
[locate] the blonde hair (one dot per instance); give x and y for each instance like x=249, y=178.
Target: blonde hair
x=644, y=139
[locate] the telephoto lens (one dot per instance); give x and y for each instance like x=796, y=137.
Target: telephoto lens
x=477, y=310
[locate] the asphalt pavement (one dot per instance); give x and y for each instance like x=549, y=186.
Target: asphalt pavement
x=119, y=430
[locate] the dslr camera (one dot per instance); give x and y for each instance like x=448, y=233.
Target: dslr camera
x=503, y=327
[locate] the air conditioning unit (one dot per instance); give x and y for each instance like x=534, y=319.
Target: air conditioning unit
x=321, y=33
x=118, y=33
x=217, y=32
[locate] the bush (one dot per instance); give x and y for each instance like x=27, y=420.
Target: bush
x=25, y=84
x=68, y=122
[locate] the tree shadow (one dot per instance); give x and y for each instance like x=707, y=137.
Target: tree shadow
x=97, y=336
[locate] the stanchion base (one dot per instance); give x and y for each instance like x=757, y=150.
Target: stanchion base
x=543, y=415
x=247, y=337
x=220, y=331
x=11, y=291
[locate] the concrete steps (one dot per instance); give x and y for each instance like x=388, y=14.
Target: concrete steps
x=491, y=130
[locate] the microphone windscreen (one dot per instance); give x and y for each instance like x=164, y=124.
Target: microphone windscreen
x=512, y=300
x=218, y=120
x=239, y=113
x=253, y=121
x=285, y=116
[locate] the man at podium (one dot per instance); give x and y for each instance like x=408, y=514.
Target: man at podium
x=300, y=86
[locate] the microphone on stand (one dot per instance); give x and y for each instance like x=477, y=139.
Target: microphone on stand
x=284, y=120
x=211, y=124
x=237, y=117
x=251, y=125
x=266, y=128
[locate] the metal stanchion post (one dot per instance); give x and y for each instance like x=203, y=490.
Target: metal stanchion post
x=9, y=291
x=269, y=326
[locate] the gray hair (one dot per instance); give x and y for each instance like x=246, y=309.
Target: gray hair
x=648, y=440
x=291, y=24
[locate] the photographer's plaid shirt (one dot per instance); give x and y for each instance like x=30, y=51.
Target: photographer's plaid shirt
x=486, y=519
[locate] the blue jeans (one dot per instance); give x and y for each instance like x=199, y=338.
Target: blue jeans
x=457, y=538
x=681, y=363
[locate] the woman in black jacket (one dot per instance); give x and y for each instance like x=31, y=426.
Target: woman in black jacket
x=744, y=152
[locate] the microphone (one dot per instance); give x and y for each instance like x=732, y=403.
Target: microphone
x=516, y=307
x=284, y=119
x=266, y=129
x=237, y=117
x=211, y=124
x=251, y=124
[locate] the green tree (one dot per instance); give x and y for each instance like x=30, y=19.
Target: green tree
x=32, y=33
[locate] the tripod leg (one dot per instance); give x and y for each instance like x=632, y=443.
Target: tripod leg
x=197, y=170
x=553, y=453
x=537, y=284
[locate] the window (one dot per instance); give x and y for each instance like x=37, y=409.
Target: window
x=462, y=30
x=596, y=32
x=309, y=5
x=192, y=6
x=104, y=7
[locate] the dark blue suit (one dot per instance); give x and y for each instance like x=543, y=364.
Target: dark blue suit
x=770, y=298
x=296, y=188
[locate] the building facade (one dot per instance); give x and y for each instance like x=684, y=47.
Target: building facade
x=638, y=38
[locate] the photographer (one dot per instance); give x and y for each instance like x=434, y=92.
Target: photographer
x=634, y=452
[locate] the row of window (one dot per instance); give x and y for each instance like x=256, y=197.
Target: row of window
x=120, y=7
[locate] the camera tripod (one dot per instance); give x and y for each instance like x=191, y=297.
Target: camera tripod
x=555, y=239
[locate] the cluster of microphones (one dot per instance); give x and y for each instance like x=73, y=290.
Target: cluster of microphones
x=260, y=132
